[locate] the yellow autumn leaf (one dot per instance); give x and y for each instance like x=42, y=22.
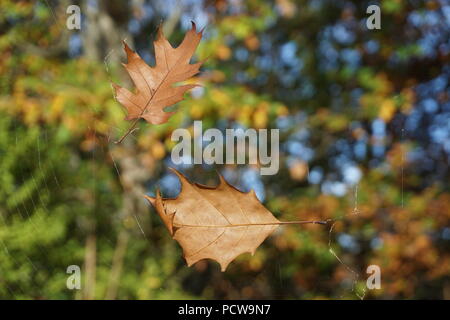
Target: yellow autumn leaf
x=387, y=110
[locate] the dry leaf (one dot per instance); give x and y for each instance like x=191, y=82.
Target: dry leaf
x=155, y=88
x=215, y=223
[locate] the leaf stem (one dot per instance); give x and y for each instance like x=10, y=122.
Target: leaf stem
x=128, y=131
x=250, y=224
x=303, y=222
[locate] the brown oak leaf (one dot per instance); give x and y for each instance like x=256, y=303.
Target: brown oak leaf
x=155, y=88
x=217, y=223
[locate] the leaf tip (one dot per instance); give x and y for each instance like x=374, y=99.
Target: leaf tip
x=223, y=266
x=189, y=261
x=194, y=26
x=253, y=193
x=150, y=199
x=160, y=32
x=178, y=174
x=126, y=47
x=115, y=86
x=221, y=178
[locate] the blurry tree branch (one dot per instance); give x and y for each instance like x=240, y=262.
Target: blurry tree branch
x=103, y=34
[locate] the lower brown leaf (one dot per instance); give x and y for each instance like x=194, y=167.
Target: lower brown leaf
x=217, y=223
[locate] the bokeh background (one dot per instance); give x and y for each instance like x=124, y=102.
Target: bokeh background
x=364, y=117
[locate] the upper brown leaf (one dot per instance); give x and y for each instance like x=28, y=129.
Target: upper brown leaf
x=155, y=88
x=215, y=223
